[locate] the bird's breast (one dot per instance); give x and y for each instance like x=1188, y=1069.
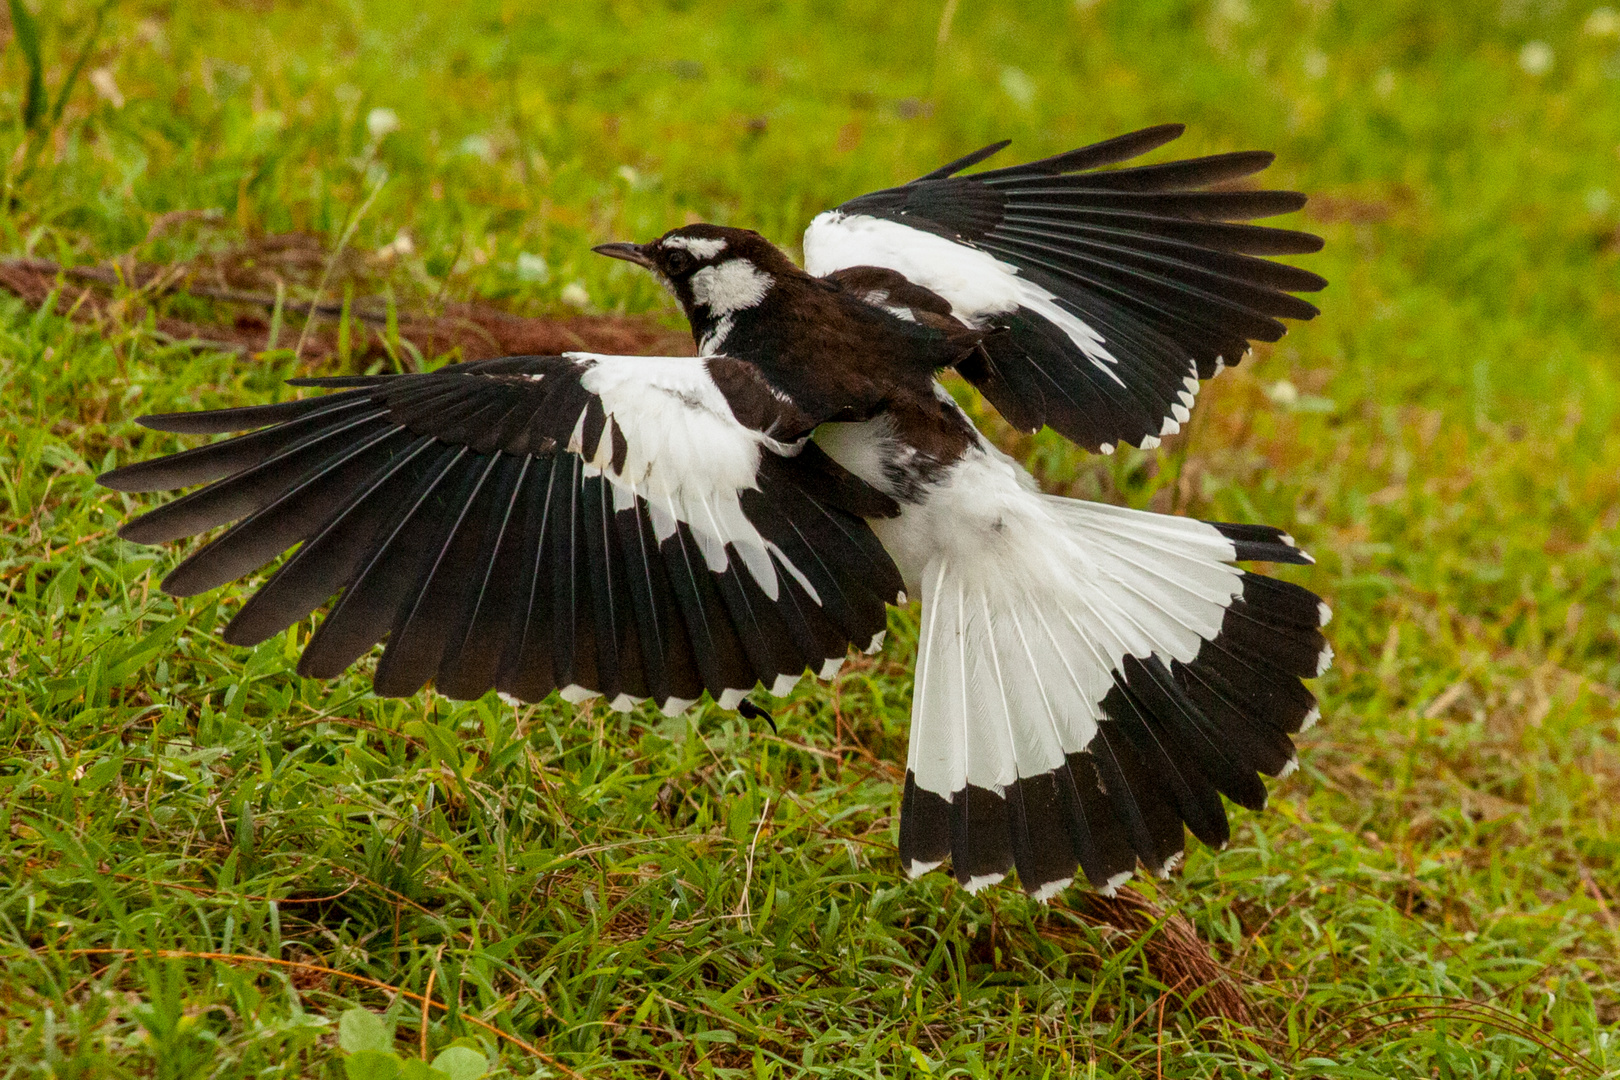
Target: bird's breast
x=980, y=511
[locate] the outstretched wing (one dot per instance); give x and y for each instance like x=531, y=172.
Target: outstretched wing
x=635, y=527
x=1117, y=291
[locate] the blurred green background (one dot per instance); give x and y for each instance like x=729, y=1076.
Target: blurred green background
x=1435, y=893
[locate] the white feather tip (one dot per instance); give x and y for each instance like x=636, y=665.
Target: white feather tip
x=979, y=881
x=1111, y=886
x=1046, y=892
x=1325, y=659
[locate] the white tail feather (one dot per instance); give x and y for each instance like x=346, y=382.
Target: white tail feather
x=1030, y=607
x=1030, y=604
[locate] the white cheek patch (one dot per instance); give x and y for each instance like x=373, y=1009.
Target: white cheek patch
x=699, y=247
x=732, y=286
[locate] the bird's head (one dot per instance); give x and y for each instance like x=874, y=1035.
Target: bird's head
x=718, y=274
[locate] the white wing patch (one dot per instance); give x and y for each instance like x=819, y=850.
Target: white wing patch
x=977, y=284
x=686, y=455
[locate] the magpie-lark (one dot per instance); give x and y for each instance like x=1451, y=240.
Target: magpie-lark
x=1090, y=679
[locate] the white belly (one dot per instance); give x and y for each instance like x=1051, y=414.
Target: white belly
x=983, y=511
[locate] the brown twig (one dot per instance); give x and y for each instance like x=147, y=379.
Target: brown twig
x=1174, y=953
x=475, y=330
x=155, y=281
x=427, y=995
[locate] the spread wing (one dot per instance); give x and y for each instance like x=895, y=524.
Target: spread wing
x=635, y=527
x=1117, y=291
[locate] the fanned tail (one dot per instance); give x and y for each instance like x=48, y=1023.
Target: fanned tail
x=1091, y=681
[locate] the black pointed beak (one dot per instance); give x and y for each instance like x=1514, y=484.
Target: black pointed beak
x=635, y=253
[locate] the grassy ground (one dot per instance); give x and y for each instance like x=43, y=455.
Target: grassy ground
x=1435, y=893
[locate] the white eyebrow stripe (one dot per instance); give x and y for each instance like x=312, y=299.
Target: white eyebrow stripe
x=699, y=247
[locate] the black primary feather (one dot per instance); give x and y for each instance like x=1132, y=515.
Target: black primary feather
x=1146, y=256
x=447, y=516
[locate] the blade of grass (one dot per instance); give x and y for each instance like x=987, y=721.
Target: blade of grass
x=320, y=969
x=25, y=29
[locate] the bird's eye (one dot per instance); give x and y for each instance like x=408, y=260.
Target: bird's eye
x=677, y=261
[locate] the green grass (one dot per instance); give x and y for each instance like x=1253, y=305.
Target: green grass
x=642, y=896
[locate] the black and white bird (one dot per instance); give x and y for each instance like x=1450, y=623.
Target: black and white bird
x=1090, y=679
